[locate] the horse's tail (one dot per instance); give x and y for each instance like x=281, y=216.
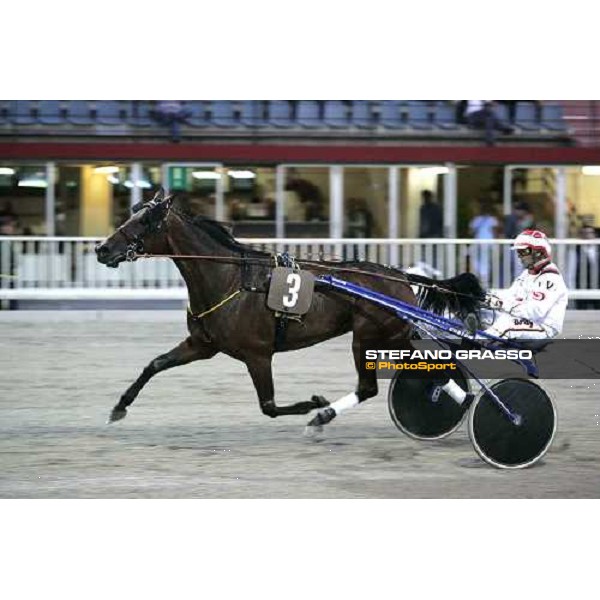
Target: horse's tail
x=459, y=295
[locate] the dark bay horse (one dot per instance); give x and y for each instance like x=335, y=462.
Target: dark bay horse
x=228, y=312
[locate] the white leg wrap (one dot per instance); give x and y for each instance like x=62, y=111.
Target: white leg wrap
x=455, y=391
x=344, y=403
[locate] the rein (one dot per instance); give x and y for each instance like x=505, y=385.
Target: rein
x=136, y=250
x=256, y=260
x=309, y=263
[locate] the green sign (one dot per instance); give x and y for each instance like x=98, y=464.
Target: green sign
x=178, y=180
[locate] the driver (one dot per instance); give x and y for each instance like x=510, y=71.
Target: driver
x=534, y=306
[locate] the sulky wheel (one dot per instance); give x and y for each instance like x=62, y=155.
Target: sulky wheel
x=509, y=445
x=419, y=417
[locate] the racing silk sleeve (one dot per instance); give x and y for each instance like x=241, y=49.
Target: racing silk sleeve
x=510, y=296
x=536, y=307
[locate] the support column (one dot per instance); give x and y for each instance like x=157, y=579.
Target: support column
x=164, y=174
x=96, y=203
x=560, y=204
x=50, y=199
x=450, y=201
x=280, y=202
x=136, y=190
x=393, y=201
x=220, y=195
x=336, y=200
x=507, y=193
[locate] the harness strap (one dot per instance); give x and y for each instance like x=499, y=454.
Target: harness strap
x=215, y=307
x=540, y=266
x=245, y=272
x=281, y=323
x=550, y=270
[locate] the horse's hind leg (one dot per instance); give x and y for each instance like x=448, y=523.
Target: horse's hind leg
x=366, y=388
x=261, y=372
x=188, y=351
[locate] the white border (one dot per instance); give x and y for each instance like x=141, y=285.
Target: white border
x=273, y=50
x=266, y=49
x=294, y=549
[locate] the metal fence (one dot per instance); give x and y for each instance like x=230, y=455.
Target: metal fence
x=66, y=267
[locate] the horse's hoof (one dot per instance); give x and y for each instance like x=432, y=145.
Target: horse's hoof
x=116, y=414
x=319, y=401
x=313, y=431
x=314, y=428
x=324, y=416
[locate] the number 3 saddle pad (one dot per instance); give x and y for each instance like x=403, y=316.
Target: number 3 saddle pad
x=290, y=291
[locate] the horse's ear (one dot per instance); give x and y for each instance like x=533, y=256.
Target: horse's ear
x=160, y=194
x=162, y=208
x=137, y=207
x=168, y=201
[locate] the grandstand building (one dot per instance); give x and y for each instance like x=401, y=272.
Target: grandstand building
x=300, y=169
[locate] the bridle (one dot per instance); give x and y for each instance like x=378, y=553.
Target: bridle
x=135, y=244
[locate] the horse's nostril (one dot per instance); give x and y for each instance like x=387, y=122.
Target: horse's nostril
x=101, y=250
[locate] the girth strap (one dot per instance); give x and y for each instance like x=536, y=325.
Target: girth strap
x=281, y=325
x=213, y=308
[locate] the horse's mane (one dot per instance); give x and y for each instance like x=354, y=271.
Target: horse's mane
x=220, y=232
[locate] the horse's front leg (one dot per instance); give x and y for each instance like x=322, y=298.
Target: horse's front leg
x=188, y=351
x=261, y=372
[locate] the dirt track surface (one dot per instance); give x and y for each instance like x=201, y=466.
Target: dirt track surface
x=197, y=432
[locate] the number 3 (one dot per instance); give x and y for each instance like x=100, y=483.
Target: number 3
x=293, y=279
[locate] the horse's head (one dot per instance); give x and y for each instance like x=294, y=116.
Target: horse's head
x=143, y=232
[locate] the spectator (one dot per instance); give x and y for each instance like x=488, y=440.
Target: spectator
x=480, y=114
x=483, y=227
x=586, y=268
x=511, y=223
x=520, y=218
x=172, y=114
x=8, y=225
x=8, y=212
x=360, y=219
x=271, y=208
x=431, y=218
x=359, y=225
x=236, y=210
x=525, y=218
x=485, y=224
x=310, y=196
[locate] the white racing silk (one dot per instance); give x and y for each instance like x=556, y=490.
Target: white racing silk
x=533, y=307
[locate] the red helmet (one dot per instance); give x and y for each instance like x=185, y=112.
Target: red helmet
x=534, y=239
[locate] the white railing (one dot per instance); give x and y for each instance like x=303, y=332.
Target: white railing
x=66, y=267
